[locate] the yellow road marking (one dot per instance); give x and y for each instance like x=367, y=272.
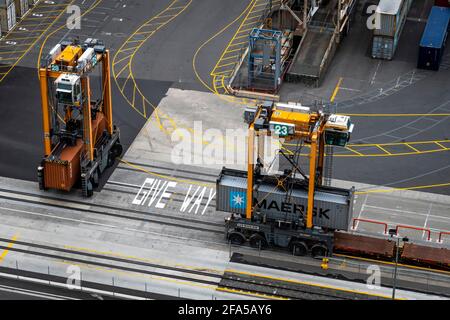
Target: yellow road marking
x=336, y=90
x=354, y=151
x=9, y=246
x=32, y=44
x=410, y=146
x=250, y=9
x=383, y=149
x=442, y=146
x=361, y=153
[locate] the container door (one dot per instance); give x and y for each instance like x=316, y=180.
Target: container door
x=25, y=6
x=11, y=13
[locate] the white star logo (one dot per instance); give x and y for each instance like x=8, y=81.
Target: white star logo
x=238, y=200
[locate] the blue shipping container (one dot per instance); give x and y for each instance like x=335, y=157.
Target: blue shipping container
x=434, y=37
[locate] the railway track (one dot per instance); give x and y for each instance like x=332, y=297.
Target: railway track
x=203, y=277
x=212, y=279
x=287, y=290
x=112, y=211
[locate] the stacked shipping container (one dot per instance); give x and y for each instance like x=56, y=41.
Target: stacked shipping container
x=22, y=7
x=7, y=15
x=392, y=17
x=434, y=38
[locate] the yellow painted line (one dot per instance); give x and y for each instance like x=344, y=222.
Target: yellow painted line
x=241, y=37
x=222, y=73
x=401, y=143
x=233, y=50
x=145, y=32
x=354, y=151
x=9, y=246
x=310, y=284
x=250, y=9
x=122, y=59
x=32, y=44
x=380, y=147
x=11, y=52
x=376, y=155
x=136, y=49
x=336, y=89
x=404, y=189
x=35, y=25
x=15, y=45
x=441, y=145
x=397, y=114
x=7, y=59
x=392, y=263
x=40, y=18
x=231, y=57
x=410, y=146
x=47, y=11
x=28, y=31
x=226, y=65
x=20, y=38
x=194, y=59
x=239, y=43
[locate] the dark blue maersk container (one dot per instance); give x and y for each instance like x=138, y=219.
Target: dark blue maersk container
x=434, y=37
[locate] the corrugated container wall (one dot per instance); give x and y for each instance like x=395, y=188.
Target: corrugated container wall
x=63, y=174
x=434, y=38
x=331, y=209
x=392, y=15
x=383, y=47
x=7, y=15
x=22, y=7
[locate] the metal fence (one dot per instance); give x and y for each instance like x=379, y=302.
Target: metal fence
x=88, y=280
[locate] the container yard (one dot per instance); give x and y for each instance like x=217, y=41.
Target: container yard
x=267, y=150
x=392, y=16
x=434, y=38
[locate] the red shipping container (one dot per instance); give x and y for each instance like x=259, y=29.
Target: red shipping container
x=442, y=3
x=63, y=173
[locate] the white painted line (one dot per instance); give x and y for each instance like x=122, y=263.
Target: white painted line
x=375, y=74
x=34, y=293
x=409, y=212
x=426, y=219
x=110, y=226
x=360, y=212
